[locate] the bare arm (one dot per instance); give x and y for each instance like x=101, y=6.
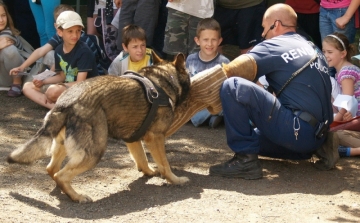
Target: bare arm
x=37, y=54
x=5, y=42
x=58, y=78
x=343, y=20
x=347, y=86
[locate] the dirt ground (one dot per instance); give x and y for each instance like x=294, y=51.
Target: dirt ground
x=290, y=191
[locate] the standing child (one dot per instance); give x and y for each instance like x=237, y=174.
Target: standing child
x=208, y=38
x=74, y=62
x=338, y=51
x=182, y=19
x=241, y=22
x=330, y=11
x=349, y=14
x=135, y=54
x=307, y=18
x=10, y=47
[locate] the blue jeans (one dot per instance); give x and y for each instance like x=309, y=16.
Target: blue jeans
x=44, y=18
x=200, y=117
x=328, y=26
x=242, y=101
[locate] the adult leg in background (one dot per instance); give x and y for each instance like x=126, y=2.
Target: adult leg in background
x=143, y=13
x=44, y=18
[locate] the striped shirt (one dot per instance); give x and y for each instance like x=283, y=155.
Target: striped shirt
x=351, y=72
x=7, y=33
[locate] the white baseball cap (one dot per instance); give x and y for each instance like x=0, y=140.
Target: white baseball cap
x=68, y=19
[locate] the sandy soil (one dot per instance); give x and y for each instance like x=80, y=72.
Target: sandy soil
x=291, y=191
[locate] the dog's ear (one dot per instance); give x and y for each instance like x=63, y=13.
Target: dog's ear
x=179, y=61
x=156, y=58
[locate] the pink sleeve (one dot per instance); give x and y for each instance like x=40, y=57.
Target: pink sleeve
x=348, y=72
x=331, y=4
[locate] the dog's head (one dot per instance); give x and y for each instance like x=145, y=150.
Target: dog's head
x=172, y=77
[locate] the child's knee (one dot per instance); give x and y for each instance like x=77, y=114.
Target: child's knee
x=10, y=51
x=28, y=87
x=53, y=92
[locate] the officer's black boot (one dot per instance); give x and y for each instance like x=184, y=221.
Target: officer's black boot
x=245, y=166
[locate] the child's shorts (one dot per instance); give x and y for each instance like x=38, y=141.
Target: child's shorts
x=180, y=31
x=44, y=88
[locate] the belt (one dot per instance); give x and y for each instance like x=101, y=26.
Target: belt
x=307, y=117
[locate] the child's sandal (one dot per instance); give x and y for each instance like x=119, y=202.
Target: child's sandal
x=15, y=90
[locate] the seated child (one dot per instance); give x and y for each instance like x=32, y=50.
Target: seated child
x=208, y=37
x=47, y=51
x=74, y=62
x=349, y=142
x=10, y=47
x=134, y=55
x=338, y=52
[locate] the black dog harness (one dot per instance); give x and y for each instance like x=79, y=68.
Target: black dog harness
x=155, y=95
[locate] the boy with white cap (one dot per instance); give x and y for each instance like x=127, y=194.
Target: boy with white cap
x=74, y=62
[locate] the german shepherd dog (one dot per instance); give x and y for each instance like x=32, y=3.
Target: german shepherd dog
x=86, y=114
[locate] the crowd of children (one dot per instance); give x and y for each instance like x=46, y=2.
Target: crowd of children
x=74, y=56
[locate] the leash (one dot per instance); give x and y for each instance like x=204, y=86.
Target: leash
x=297, y=72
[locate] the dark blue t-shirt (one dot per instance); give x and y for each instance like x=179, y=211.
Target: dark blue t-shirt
x=56, y=40
x=279, y=57
x=79, y=59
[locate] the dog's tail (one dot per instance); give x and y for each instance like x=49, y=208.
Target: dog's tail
x=40, y=145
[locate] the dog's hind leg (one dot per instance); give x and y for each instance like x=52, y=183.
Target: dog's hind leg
x=73, y=168
x=156, y=144
x=138, y=155
x=85, y=145
x=83, y=155
x=58, y=154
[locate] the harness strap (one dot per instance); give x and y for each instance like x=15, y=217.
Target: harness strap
x=150, y=90
x=156, y=97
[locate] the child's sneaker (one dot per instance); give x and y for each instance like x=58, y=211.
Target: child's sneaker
x=344, y=151
x=215, y=120
x=15, y=90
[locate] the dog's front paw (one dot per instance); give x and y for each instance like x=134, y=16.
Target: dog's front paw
x=82, y=199
x=180, y=180
x=150, y=172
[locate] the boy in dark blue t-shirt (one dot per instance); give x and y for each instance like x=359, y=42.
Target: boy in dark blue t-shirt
x=74, y=62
